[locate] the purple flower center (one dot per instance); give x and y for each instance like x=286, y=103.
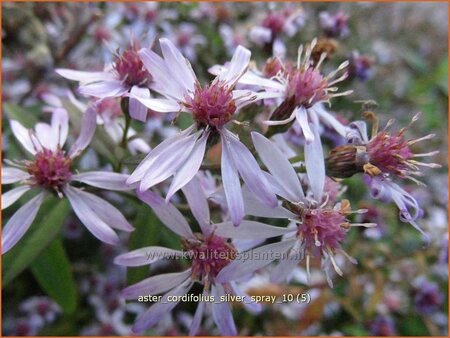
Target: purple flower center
x=308, y=87
x=212, y=105
x=322, y=229
x=131, y=69
x=50, y=169
x=389, y=153
x=210, y=256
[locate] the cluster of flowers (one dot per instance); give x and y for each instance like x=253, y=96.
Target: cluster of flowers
x=306, y=193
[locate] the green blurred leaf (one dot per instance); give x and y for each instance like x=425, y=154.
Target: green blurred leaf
x=22, y=115
x=184, y=120
x=412, y=325
x=52, y=271
x=47, y=225
x=146, y=233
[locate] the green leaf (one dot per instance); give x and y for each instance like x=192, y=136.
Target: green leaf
x=147, y=231
x=44, y=229
x=24, y=116
x=52, y=271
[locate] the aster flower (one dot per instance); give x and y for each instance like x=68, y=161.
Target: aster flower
x=286, y=20
x=300, y=90
x=209, y=251
x=318, y=226
x=126, y=75
x=384, y=156
x=334, y=25
x=50, y=171
x=212, y=106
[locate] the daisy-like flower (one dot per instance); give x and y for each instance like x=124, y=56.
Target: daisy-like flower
x=50, y=171
x=384, y=156
x=318, y=225
x=212, y=106
x=301, y=91
x=209, y=252
x=126, y=75
x=286, y=21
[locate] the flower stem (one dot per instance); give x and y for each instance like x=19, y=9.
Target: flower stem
x=124, y=105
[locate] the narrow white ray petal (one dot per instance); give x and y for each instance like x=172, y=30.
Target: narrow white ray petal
x=85, y=77
x=198, y=204
x=302, y=117
x=146, y=256
x=315, y=165
x=22, y=135
x=20, y=222
x=238, y=66
x=104, y=89
x=9, y=197
x=88, y=127
x=221, y=312
x=167, y=213
x=197, y=320
x=137, y=110
x=249, y=230
x=104, y=180
x=13, y=175
x=89, y=218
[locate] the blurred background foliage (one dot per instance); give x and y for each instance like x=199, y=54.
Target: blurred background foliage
x=397, y=280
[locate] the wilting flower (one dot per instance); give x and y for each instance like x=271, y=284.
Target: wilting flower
x=209, y=252
x=301, y=91
x=51, y=171
x=127, y=74
x=334, y=25
x=287, y=21
x=318, y=227
x=212, y=106
x=382, y=157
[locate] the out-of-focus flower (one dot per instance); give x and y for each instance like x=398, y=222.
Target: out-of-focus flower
x=232, y=38
x=382, y=326
x=50, y=171
x=43, y=309
x=428, y=297
x=213, y=107
x=317, y=228
x=334, y=25
x=126, y=75
x=215, y=12
x=287, y=21
x=360, y=66
x=185, y=37
x=210, y=252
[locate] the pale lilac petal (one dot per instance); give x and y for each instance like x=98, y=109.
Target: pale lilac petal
x=329, y=119
x=260, y=35
x=85, y=77
x=250, y=78
x=165, y=147
x=157, y=311
x=159, y=105
x=20, y=222
x=104, y=180
x=22, y=135
x=89, y=218
x=44, y=134
x=136, y=109
x=282, y=270
x=197, y=320
x=9, y=197
x=60, y=126
x=250, y=171
x=13, y=175
x=278, y=48
x=88, y=126
x=250, y=305
x=221, y=312
x=249, y=230
x=279, y=166
x=155, y=284
x=105, y=211
x=104, y=89
x=264, y=254
x=168, y=163
x=178, y=65
x=146, y=256
x=190, y=168
x=315, y=166
x=302, y=117
x=198, y=204
x=238, y=66
x=231, y=184
x=162, y=78
x=254, y=207
x=167, y=213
